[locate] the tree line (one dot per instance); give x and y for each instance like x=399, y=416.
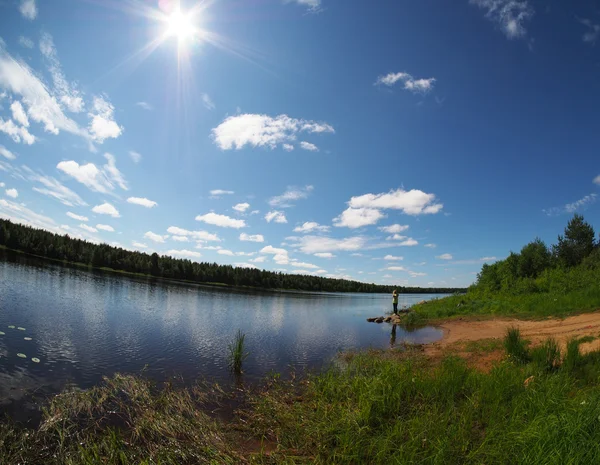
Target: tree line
x=58, y=247
x=537, y=264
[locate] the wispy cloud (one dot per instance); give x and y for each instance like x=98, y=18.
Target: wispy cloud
x=77, y=217
x=593, y=30
x=509, y=15
x=430, y=246
x=12, y=193
x=184, y=253
x=217, y=193
x=201, y=236
x=145, y=105
x=67, y=93
x=416, y=86
x=7, y=153
x=392, y=258
x=105, y=227
x=28, y=9
x=312, y=5
x=155, y=237
x=394, y=228
x=20, y=214
x=255, y=130
x=308, y=146
x=26, y=42
x=53, y=188
x=319, y=244
x=290, y=195
x=135, y=156
x=16, y=133
x=357, y=218
x=597, y=180
x=445, y=256
x=573, y=207
x=208, y=103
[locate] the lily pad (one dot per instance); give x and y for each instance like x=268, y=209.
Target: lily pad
x=35, y=360
x=11, y=326
x=21, y=355
x=28, y=339
x=2, y=333
x=21, y=329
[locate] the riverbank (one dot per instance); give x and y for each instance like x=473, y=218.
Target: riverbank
x=379, y=407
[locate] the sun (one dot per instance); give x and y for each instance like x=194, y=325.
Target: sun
x=180, y=25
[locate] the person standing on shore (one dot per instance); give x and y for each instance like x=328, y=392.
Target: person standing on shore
x=395, y=301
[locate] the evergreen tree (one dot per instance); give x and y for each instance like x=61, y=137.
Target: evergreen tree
x=577, y=243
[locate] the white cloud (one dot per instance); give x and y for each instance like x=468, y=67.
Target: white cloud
x=578, y=205
x=396, y=268
x=393, y=258
x=28, y=9
x=88, y=175
x=416, y=86
x=252, y=238
x=304, y=265
x=102, y=125
x=394, y=228
x=597, y=180
x=226, y=252
x=445, y=256
x=196, y=235
x=311, y=226
x=139, y=245
x=413, y=202
x=357, y=217
x=19, y=113
x=288, y=147
x=318, y=244
x=276, y=216
x=324, y=255
x=155, y=237
x=13, y=193
x=16, y=133
x=510, y=15
x=180, y=238
x=184, y=253
x=55, y=189
x=106, y=209
x=17, y=78
x=262, y=131
x=222, y=221
x=77, y=217
x=67, y=93
x=105, y=227
x=290, y=195
x=144, y=202
x=88, y=228
x=409, y=242
x=135, y=156
x=241, y=207
x=7, y=153
x=593, y=32
x=208, y=103
x=145, y=105
x=280, y=256
x=308, y=146
x=416, y=274
x=26, y=42
x=258, y=260
x=216, y=193
x=245, y=265
x=208, y=247
x=98, y=180
x=430, y=246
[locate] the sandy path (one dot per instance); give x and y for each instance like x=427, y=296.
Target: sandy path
x=562, y=330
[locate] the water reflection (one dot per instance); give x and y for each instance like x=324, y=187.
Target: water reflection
x=86, y=325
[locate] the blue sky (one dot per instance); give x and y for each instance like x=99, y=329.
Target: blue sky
x=406, y=143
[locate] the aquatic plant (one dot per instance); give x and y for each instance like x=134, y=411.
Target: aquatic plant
x=35, y=360
x=20, y=355
x=28, y=339
x=236, y=352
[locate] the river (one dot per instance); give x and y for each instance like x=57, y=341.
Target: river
x=84, y=325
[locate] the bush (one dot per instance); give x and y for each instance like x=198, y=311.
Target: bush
x=515, y=346
x=547, y=356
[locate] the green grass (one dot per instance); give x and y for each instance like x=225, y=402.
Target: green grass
x=237, y=355
x=483, y=346
x=515, y=346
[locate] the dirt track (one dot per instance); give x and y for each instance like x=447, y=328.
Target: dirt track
x=587, y=324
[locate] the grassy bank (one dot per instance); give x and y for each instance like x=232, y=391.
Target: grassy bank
x=376, y=407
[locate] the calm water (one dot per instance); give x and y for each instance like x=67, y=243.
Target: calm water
x=85, y=325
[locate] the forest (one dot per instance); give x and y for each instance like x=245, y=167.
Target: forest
x=64, y=248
